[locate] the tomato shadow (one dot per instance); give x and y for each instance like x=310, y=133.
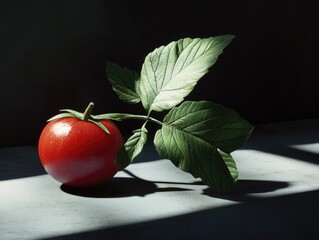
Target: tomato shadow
x=120, y=187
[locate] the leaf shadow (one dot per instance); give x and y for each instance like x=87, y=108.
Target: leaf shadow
x=246, y=187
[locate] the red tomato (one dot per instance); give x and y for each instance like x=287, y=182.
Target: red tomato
x=79, y=153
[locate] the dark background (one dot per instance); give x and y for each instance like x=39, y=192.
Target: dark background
x=53, y=53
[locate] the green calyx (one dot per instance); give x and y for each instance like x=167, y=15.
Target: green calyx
x=86, y=116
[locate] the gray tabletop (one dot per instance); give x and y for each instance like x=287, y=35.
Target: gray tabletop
x=277, y=195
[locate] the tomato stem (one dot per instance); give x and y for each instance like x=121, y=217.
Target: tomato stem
x=87, y=112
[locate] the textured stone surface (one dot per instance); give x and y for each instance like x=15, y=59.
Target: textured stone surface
x=276, y=198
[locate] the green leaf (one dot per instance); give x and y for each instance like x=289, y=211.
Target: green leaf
x=231, y=164
x=123, y=82
x=220, y=126
x=169, y=73
x=132, y=147
x=193, y=137
x=195, y=156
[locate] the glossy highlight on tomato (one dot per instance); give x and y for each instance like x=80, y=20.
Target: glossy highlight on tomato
x=79, y=153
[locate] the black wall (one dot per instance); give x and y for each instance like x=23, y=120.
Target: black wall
x=53, y=53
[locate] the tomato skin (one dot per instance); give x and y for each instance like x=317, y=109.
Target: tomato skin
x=79, y=153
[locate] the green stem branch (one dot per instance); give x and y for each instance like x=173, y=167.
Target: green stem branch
x=143, y=117
x=125, y=116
